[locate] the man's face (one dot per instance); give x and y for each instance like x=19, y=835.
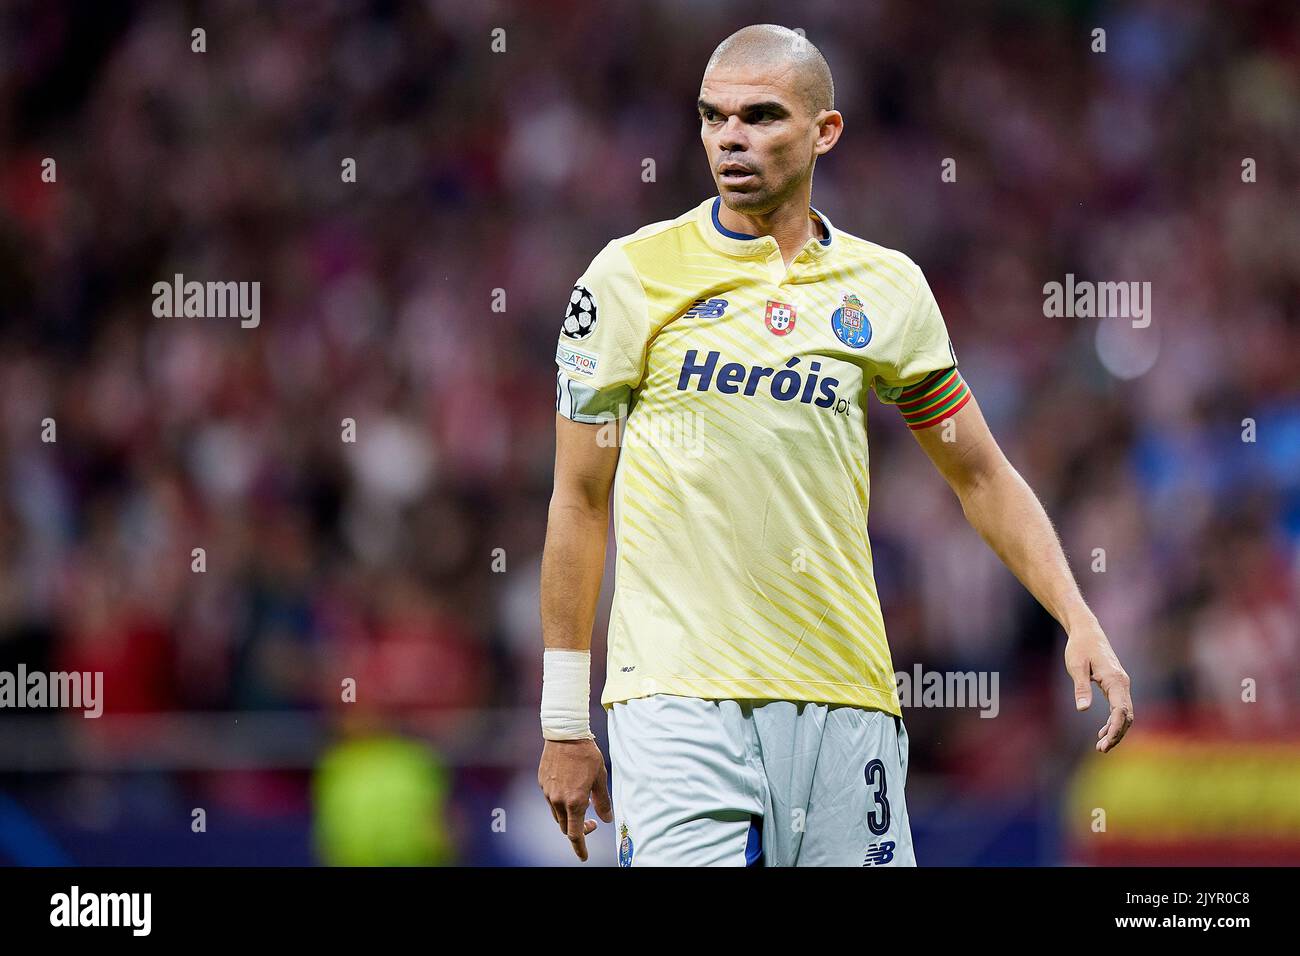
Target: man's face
x=759, y=136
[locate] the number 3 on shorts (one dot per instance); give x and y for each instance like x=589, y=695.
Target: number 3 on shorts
x=877, y=822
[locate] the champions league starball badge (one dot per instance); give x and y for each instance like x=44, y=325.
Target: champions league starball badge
x=850, y=323
x=580, y=317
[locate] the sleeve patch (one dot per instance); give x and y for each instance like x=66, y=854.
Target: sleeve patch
x=580, y=316
x=576, y=361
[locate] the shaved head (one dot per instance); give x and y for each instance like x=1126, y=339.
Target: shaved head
x=767, y=111
x=762, y=47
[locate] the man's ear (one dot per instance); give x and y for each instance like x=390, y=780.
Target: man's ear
x=835, y=119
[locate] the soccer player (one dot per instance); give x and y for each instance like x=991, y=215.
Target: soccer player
x=752, y=707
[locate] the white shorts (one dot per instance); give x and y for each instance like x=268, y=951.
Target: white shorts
x=757, y=783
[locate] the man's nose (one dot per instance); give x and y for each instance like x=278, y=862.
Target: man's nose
x=732, y=137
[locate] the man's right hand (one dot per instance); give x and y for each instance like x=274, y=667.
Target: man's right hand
x=571, y=775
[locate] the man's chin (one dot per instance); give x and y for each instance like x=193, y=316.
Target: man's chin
x=747, y=198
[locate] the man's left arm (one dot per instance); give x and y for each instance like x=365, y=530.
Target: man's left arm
x=1001, y=506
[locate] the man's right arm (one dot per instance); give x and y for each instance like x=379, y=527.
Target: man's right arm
x=577, y=527
x=572, y=769
x=600, y=359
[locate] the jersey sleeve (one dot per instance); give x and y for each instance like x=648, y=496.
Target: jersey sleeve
x=923, y=379
x=602, y=346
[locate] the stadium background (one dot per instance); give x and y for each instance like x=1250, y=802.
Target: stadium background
x=481, y=170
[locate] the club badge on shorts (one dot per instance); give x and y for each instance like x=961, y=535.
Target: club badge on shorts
x=779, y=317
x=624, y=846
x=850, y=323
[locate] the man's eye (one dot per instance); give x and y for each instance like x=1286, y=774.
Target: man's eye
x=709, y=116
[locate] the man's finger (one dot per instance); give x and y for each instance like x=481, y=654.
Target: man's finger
x=1108, y=730
x=577, y=830
x=1116, y=689
x=561, y=814
x=1121, y=719
x=1115, y=685
x=600, y=795
x=1082, y=676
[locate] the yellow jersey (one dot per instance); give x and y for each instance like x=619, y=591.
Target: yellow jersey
x=743, y=568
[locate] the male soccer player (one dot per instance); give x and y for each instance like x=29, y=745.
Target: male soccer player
x=753, y=713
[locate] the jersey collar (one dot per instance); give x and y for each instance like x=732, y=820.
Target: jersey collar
x=739, y=244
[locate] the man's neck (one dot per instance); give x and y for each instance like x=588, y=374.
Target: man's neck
x=790, y=224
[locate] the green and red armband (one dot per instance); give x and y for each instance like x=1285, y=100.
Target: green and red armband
x=938, y=396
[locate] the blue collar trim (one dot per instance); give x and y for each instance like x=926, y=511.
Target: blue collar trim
x=717, y=224
x=825, y=225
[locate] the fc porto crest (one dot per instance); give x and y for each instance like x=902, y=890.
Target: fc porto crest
x=779, y=317
x=850, y=323
x=624, y=846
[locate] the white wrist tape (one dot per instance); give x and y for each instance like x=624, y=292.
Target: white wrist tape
x=566, y=694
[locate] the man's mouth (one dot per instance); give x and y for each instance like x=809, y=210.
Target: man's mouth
x=735, y=173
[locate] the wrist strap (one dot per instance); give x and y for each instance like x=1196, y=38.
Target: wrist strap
x=566, y=694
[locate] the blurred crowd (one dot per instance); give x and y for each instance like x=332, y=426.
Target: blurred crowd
x=421, y=303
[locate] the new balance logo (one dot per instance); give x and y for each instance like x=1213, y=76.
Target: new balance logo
x=706, y=309
x=878, y=854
